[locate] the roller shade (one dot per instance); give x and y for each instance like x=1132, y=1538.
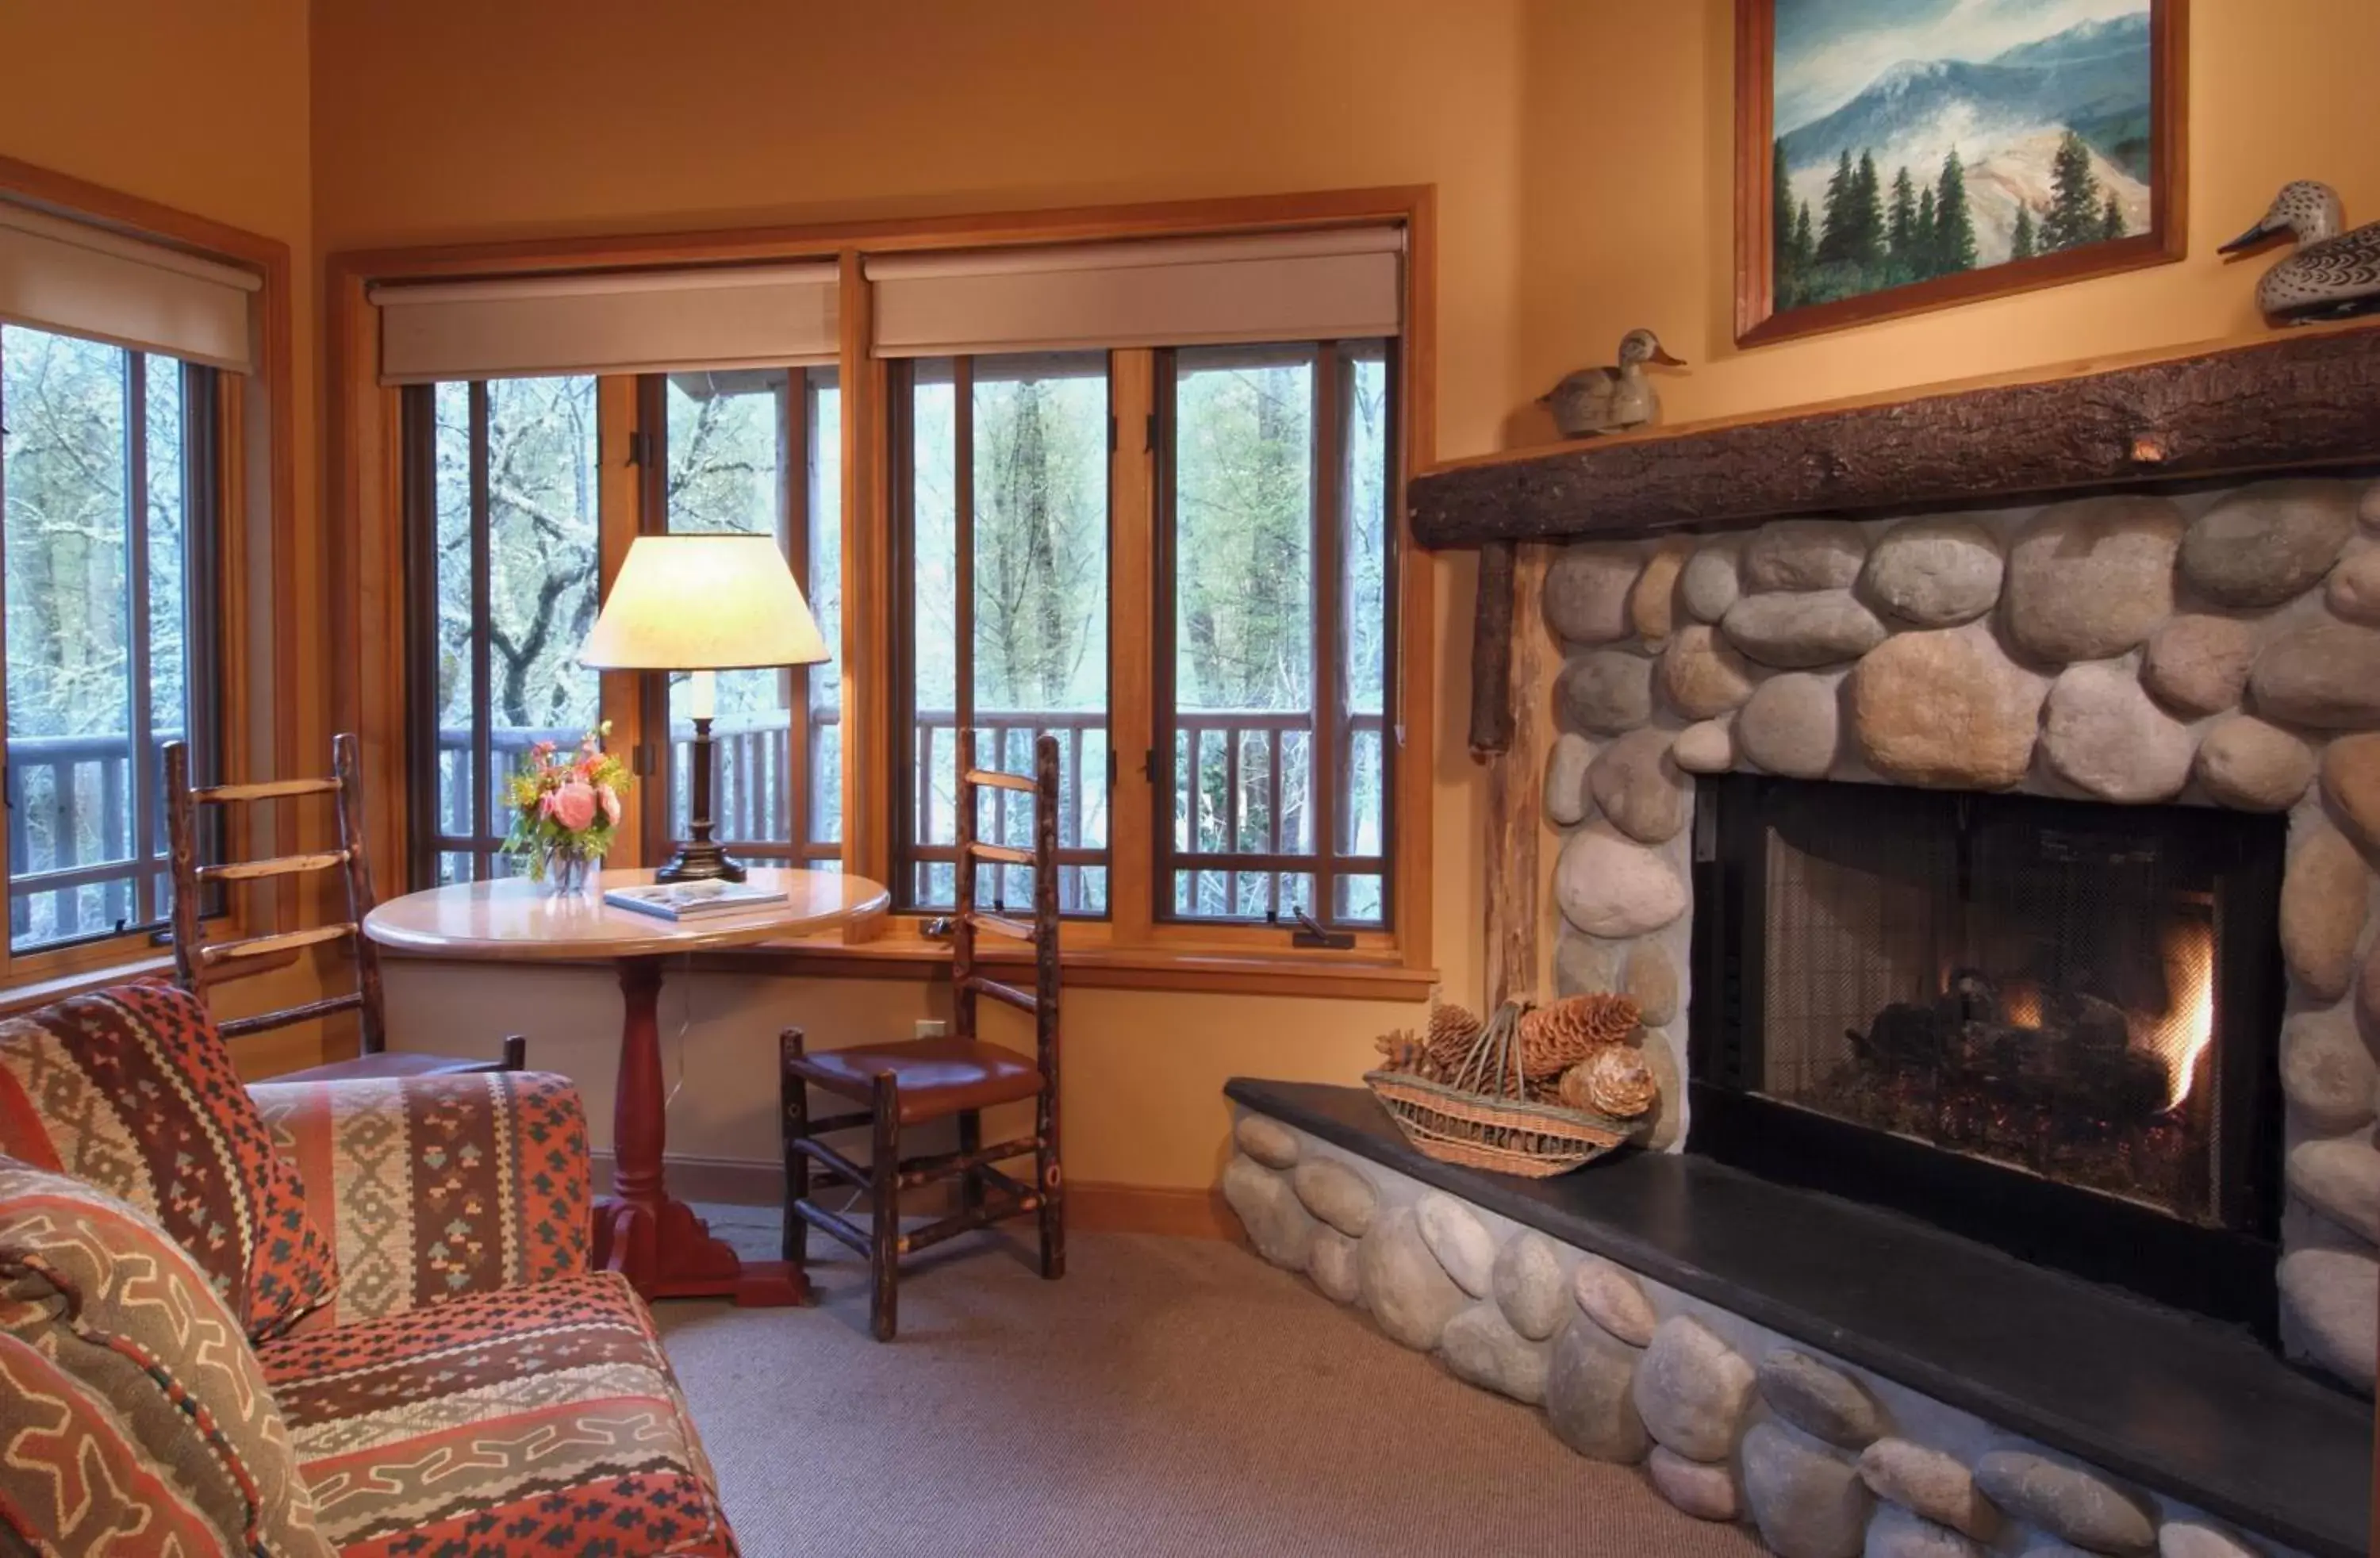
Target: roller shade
x=759, y=316
x=76, y=279
x=1336, y=285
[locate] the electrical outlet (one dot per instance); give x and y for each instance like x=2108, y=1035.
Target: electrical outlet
x=930, y=1028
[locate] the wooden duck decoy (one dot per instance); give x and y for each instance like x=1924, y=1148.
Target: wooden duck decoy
x=1597, y=400
x=2334, y=275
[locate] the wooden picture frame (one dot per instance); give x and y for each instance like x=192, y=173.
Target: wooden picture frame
x=1760, y=318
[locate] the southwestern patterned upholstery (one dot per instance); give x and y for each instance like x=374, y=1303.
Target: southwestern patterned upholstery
x=132, y=1090
x=134, y=1419
x=473, y=1389
x=431, y=1187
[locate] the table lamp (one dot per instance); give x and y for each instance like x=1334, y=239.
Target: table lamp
x=703, y=604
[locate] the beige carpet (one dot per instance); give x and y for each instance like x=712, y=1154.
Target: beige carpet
x=1169, y=1396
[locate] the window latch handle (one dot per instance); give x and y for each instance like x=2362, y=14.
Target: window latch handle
x=1311, y=932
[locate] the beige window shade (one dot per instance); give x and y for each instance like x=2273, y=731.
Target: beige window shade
x=76, y=279
x=663, y=321
x=1341, y=283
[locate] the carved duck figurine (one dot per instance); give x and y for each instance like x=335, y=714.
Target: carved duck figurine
x=1597, y=400
x=2334, y=275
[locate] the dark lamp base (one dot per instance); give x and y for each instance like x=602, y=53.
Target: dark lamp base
x=700, y=862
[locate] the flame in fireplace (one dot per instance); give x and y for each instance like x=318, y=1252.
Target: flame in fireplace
x=2182, y=1033
x=2021, y=1002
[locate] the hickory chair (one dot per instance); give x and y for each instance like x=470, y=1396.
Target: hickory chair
x=199, y=963
x=911, y=1083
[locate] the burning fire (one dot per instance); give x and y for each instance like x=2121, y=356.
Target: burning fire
x=2181, y=1035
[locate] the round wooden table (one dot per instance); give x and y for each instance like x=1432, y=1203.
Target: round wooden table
x=657, y=1241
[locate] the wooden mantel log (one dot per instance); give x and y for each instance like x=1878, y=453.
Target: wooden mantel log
x=2308, y=398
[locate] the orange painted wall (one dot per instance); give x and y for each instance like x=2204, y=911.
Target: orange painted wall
x=1627, y=213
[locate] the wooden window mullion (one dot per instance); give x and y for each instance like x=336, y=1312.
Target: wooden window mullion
x=419, y=453
x=904, y=739
x=483, y=645
x=963, y=580
x=793, y=470
x=141, y=717
x=1164, y=757
x=1322, y=765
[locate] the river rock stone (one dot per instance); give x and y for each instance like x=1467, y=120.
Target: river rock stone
x=1609, y=884
x=2188, y=1539
x=2254, y=766
x=2066, y=1500
x=1642, y=792
x=1337, y=1194
x=1280, y=1229
x=1653, y=980
x=1266, y=1140
x=1586, y=592
x=1805, y=554
x=2367, y=508
x=2367, y=997
x=1406, y=1289
x=1946, y=708
x=1527, y=1281
x=1935, y=573
x=2088, y=579
x=1703, y=748
x=1614, y=1300
x=1896, y=1533
x=2105, y=734
x=1712, y=578
x=2269, y=541
x=1607, y=692
x=1825, y=1403
x=1480, y=1347
x=1794, y=631
x=1652, y=605
x=1459, y=1240
x=2354, y=592
x=2341, y=1179
x=2350, y=783
x=1793, y=725
x=2328, y=1299
x=2323, y=892
x=1695, y=1488
x=1929, y=1482
x=1336, y=1266
x=2327, y=1074
x=1585, y=965
x=1807, y=1499
x=2327, y=675
x=1692, y=1388
x=1702, y=674
x=1589, y=1403
x=2198, y=663
x=1567, y=761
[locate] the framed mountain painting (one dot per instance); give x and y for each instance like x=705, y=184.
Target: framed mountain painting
x=1898, y=155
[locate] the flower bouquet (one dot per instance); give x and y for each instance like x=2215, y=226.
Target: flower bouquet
x=565, y=809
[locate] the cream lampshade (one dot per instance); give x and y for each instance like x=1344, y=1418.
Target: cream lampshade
x=703, y=604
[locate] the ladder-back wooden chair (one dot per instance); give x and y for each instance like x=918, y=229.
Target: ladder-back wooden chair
x=198, y=962
x=907, y=1084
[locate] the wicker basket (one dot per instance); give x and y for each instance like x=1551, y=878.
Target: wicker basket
x=1482, y=1120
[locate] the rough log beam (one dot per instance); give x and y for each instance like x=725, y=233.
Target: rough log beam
x=2291, y=402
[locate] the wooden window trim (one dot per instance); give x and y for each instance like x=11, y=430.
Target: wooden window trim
x=252, y=461
x=368, y=690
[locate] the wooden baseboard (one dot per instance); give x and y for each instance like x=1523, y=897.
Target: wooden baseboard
x=1092, y=1207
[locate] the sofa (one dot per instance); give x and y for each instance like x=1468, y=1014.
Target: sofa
x=350, y=1317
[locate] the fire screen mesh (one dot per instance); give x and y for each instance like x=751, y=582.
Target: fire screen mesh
x=1994, y=978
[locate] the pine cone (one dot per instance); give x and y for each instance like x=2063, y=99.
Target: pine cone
x=1452, y=1031
x=1613, y=1081
x=1555, y=1038
x=1401, y=1050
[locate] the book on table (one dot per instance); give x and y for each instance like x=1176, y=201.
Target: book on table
x=692, y=900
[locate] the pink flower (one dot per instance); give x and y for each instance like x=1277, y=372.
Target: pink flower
x=572, y=806
x=611, y=799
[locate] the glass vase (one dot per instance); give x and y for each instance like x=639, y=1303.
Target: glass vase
x=571, y=874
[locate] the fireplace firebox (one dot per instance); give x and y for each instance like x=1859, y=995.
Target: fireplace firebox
x=2047, y=1023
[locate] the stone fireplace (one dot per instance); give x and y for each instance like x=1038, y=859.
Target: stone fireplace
x=2014, y=862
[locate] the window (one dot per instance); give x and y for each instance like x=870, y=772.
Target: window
x=503, y=481
x=759, y=451
x=1273, y=627
x=107, y=534
x=1003, y=566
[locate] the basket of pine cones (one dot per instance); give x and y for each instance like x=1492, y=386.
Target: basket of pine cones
x=1532, y=1092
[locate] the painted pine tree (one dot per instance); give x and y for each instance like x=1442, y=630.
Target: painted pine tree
x=1954, y=245
x=2074, y=215
x=2021, y=244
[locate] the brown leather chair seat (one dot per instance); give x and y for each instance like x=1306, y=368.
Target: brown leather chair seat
x=937, y=1077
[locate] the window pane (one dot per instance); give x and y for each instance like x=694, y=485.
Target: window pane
x=825, y=590
x=1363, y=544
x=452, y=561
x=542, y=566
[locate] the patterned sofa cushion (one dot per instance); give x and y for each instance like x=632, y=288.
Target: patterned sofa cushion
x=134, y=1417
x=534, y=1421
x=132, y=1090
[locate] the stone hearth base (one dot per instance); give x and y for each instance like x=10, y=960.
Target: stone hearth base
x=1731, y=1421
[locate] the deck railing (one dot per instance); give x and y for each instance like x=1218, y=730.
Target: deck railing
x=73, y=869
